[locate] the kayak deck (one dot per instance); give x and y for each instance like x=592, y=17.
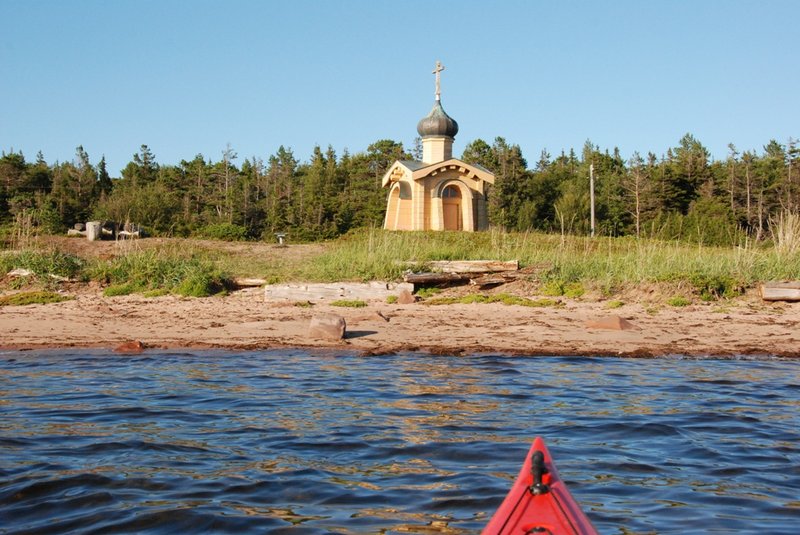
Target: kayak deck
x=539, y=502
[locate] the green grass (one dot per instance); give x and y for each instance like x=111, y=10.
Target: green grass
x=678, y=301
x=43, y=263
x=615, y=303
x=158, y=292
x=503, y=298
x=565, y=266
x=32, y=298
x=349, y=303
x=424, y=293
x=125, y=288
x=604, y=263
x=181, y=272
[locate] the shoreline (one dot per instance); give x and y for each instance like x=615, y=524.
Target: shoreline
x=243, y=321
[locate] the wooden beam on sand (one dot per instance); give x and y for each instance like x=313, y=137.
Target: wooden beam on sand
x=470, y=266
x=435, y=278
x=249, y=282
x=780, y=291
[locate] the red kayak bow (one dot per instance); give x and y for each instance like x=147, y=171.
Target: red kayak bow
x=539, y=502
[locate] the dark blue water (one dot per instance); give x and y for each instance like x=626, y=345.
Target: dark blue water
x=274, y=442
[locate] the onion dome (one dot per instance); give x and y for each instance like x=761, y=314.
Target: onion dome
x=437, y=123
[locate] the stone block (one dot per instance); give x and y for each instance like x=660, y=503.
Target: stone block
x=327, y=327
x=404, y=297
x=133, y=347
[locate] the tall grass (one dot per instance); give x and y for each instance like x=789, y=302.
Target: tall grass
x=43, y=263
x=607, y=262
x=179, y=271
x=785, y=230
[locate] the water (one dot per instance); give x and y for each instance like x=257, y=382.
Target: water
x=292, y=442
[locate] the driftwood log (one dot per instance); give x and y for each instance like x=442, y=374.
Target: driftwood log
x=249, y=282
x=467, y=266
x=480, y=273
x=781, y=291
x=436, y=278
x=472, y=266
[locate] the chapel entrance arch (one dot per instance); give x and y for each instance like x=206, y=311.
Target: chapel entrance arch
x=451, y=208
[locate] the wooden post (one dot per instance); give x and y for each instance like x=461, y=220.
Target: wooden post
x=591, y=196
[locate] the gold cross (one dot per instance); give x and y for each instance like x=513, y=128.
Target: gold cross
x=439, y=68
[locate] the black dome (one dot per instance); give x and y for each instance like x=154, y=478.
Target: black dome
x=437, y=123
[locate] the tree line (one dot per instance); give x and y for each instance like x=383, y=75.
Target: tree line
x=681, y=194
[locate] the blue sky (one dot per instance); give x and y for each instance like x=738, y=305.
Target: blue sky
x=189, y=77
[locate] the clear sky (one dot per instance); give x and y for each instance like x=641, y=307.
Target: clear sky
x=189, y=77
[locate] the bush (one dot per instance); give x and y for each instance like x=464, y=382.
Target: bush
x=224, y=232
x=713, y=287
x=200, y=283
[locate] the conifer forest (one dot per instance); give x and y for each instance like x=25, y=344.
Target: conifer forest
x=677, y=193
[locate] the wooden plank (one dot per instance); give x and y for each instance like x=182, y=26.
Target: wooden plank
x=249, y=282
x=334, y=291
x=470, y=266
x=781, y=291
x=435, y=278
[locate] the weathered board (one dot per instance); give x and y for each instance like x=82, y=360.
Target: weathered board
x=472, y=266
x=435, y=278
x=781, y=291
x=334, y=290
x=249, y=282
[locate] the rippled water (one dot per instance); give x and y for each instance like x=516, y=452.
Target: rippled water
x=337, y=443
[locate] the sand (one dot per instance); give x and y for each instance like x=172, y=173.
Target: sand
x=244, y=320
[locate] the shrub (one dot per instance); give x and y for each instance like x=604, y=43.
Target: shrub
x=224, y=232
x=200, y=283
x=713, y=287
x=392, y=299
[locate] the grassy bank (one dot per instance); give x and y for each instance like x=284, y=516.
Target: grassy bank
x=606, y=265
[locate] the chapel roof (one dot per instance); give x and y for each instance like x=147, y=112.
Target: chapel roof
x=437, y=122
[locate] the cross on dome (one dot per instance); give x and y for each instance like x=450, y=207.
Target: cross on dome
x=439, y=68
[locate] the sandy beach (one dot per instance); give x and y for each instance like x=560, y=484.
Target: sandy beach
x=245, y=320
